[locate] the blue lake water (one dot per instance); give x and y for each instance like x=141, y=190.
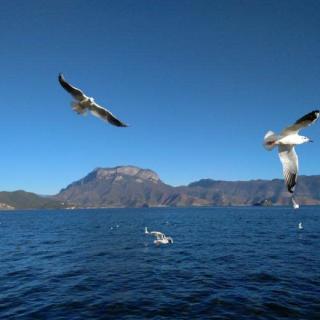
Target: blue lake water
x=225, y=263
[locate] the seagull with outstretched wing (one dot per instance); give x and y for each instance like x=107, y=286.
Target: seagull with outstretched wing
x=286, y=141
x=84, y=103
x=161, y=238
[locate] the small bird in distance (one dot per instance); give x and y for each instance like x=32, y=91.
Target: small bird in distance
x=84, y=103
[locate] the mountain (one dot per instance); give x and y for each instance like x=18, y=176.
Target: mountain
x=256, y=191
x=26, y=200
x=129, y=186
x=123, y=186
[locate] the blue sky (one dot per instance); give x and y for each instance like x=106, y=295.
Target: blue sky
x=199, y=83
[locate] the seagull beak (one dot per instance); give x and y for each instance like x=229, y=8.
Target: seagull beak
x=310, y=140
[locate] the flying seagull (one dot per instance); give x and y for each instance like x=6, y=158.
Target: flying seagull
x=286, y=141
x=85, y=103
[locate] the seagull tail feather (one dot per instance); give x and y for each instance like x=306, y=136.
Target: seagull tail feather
x=270, y=140
x=78, y=108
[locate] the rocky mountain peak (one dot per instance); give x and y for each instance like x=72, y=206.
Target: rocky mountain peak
x=121, y=171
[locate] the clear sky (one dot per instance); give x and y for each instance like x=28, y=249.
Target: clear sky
x=199, y=83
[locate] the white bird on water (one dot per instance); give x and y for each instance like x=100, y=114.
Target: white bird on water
x=300, y=226
x=286, y=141
x=160, y=237
x=85, y=103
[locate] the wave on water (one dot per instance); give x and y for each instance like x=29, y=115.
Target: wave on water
x=225, y=263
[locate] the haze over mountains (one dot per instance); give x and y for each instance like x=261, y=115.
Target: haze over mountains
x=130, y=186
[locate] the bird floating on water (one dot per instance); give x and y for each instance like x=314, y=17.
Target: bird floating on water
x=286, y=141
x=161, y=238
x=300, y=226
x=85, y=103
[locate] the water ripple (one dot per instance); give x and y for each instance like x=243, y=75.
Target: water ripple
x=225, y=263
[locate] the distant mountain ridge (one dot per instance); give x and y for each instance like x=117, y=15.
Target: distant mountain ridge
x=131, y=186
x=27, y=200
x=256, y=191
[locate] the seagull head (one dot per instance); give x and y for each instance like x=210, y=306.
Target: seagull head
x=304, y=139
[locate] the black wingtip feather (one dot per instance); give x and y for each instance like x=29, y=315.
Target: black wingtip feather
x=311, y=116
x=61, y=79
x=292, y=183
x=118, y=123
x=67, y=86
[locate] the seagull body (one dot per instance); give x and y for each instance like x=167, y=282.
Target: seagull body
x=292, y=139
x=84, y=103
x=286, y=142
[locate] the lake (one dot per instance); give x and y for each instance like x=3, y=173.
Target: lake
x=225, y=263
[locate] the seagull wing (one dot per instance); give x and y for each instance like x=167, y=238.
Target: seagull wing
x=303, y=122
x=157, y=234
x=289, y=161
x=75, y=92
x=105, y=114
